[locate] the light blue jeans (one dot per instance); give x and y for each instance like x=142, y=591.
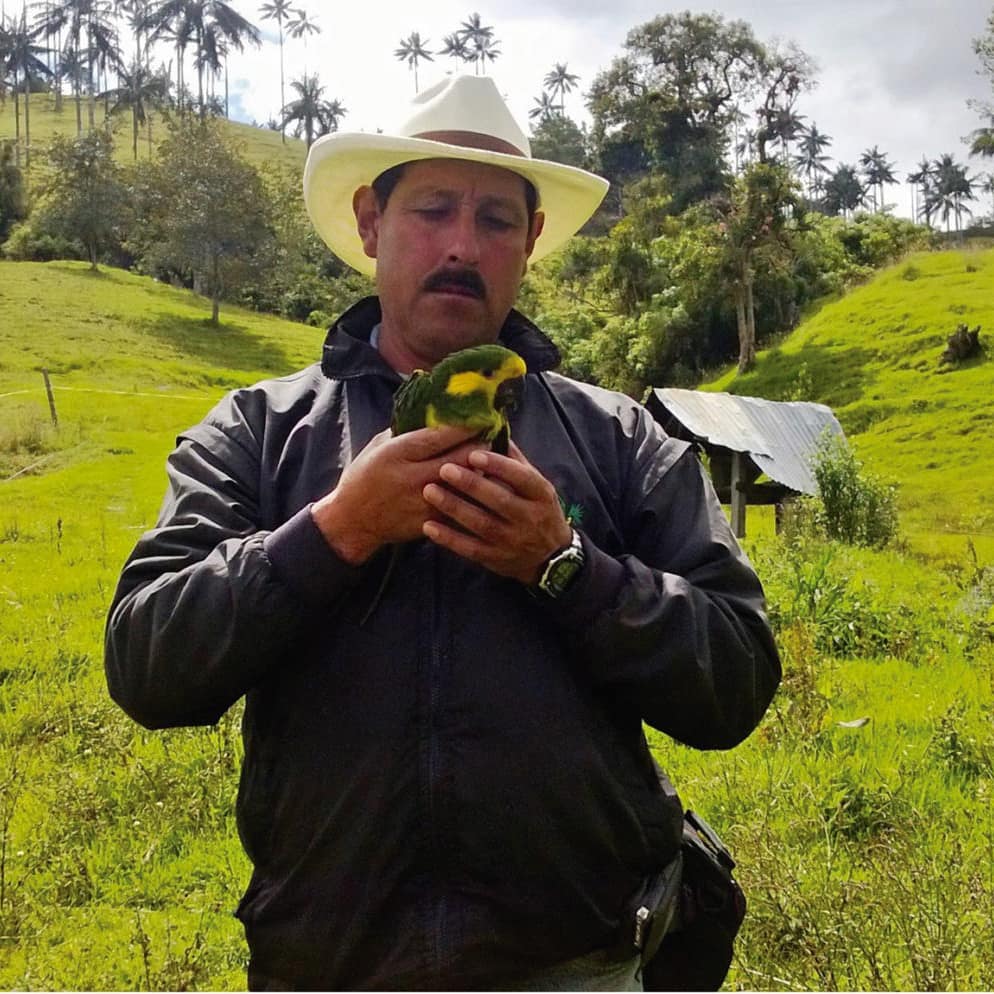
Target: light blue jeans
x=594, y=972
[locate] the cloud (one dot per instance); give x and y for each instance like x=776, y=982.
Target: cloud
x=897, y=75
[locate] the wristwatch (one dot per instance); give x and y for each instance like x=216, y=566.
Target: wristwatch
x=562, y=568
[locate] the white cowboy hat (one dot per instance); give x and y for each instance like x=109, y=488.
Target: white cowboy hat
x=462, y=117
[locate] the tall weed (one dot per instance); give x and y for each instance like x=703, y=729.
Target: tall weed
x=855, y=507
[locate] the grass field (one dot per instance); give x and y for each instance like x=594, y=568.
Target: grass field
x=259, y=145
x=861, y=812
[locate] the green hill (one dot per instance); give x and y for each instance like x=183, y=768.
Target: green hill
x=260, y=145
x=873, y=357
x=859, y=812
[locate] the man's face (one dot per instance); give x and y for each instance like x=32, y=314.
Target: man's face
x=450, y=247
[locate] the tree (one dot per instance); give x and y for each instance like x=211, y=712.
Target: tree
x=560, y=80
x=13, y=198
x=203, y=212
x=672, y=102
x=544, y=109
x=982, y=140
x=84, y=196
x=412, y=50
x=987, y=186
x=844, y=193
x=809, y=160
x=922, y=182
x=480, y=41
x=756, y=217
x=140, y=91
x=302, y=27
x=559, y=138
x=456, y=46
x=279, y=11
x=878, y=172
x=19, y=58
x=950, y=188
x=785, y=74
x=313, y=115
x=212, y=24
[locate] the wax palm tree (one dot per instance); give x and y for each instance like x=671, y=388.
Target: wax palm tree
x=921, y=186
x=22, y=63
x=560, y=80
x=139, y=92
x=480, y=41
x=545, y=107
x=878, y=172
x=179, y=33
x=279, y=11
x=809, y=159
x=456, y=46
x=412, y=50
x=48, y=23
x=312, y=114
x=91, y=41
x=952, y=186
x=302, y=27
x=746, y=147
x=982, y=141
x=213, y=26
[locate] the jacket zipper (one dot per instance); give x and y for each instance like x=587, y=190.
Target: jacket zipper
x=437, y=898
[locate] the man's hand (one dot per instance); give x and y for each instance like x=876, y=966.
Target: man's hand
x=512, y=521
x=379, y=498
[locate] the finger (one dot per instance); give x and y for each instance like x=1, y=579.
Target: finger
x=494, y=494
x=481, y=522
x=518, y=473
x=427, y=443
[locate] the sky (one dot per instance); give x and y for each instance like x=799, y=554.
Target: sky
x=893, y=74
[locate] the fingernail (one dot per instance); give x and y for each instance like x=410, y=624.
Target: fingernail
x=478, y=458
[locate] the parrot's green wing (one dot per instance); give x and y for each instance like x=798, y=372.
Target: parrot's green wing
x=410, y=403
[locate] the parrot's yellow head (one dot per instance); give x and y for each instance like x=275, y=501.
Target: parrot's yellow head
x=489, y=371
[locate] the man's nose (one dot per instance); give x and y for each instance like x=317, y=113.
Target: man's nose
x=464, y=239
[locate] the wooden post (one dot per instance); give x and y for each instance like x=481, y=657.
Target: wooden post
x=51, y=398
x=738, y=497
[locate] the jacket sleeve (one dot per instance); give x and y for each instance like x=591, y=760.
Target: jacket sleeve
x=676, y=627
x=208, y=603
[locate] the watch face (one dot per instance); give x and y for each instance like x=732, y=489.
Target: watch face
x=561, y=573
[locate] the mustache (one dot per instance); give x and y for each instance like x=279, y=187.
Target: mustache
x=468, y=278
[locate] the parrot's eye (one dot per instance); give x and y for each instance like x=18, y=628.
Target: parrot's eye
x=488, y=373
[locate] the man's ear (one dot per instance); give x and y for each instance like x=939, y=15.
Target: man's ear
x=538, y=222
x=366, y=208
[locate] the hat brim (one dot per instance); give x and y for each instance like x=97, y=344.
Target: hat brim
x=338, y=164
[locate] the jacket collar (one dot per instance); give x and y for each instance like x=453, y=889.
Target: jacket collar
x=348, y=354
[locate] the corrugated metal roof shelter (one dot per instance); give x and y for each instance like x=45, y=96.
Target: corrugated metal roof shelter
x=745, y=437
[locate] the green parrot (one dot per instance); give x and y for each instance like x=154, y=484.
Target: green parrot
x=472, y=388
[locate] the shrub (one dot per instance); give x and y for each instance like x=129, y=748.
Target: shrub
x=856, y=507
x=27, y=244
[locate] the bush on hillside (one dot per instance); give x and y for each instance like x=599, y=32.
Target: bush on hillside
x=855, y=507
x=29, y=244
x=13, y=196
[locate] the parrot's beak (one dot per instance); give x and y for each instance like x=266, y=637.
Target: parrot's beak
x=509, y=394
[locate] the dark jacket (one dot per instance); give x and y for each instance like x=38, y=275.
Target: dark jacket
x=458, y=790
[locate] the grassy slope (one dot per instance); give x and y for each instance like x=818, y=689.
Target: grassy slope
x=260, y=144
x=120, y=841
x=120, y=863
x=873, y=356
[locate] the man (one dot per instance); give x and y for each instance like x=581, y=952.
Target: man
x=446, y=783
